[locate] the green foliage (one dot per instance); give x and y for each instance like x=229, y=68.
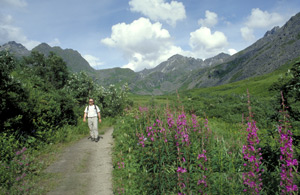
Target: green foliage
x=13, y=96
x=13, y=173
x=112, y=101
x=38, y=98
x=53, y=70
x=41, y=104
x=80, y=85
x=146, y=164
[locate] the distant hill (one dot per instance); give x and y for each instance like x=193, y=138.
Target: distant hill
x=169, y=75
x=73, y=58
x=278, y=47
x=116, y=76
x=17, y=49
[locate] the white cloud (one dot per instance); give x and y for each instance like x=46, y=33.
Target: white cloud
x=247, y=34
x=93, y=61
x=55, y=42
x=232, y=51
x=260, y=20
x=206, y=44
x=9, y=32
x=159, y=10
x=142, y=43
x=263, y=19
x=211, y=19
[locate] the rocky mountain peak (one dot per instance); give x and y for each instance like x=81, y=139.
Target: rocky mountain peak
x=16, y=49
x=272, y=32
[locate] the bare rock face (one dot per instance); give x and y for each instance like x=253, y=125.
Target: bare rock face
x=16, y=49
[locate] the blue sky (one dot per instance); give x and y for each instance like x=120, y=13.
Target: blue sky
x=140, y=34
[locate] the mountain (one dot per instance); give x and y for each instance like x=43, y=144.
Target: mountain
x=168, y=76
x=116, y=76
x=18, y=50
x=73, y=58
x=278, y=47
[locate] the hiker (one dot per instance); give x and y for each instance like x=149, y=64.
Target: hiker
x=92, y=111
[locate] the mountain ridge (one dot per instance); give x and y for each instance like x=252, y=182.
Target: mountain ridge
x=277, y=47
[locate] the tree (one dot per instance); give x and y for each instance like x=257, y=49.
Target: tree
x=291, y=92
x=58, y=72
x=13, y=96
x=80, y=85
x=53, y=70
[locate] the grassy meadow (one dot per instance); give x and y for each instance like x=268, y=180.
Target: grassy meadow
x=217, y=140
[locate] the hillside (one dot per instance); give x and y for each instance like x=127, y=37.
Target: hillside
x=116, y=76
x=169, y=75
x=17, y=49
x=74, y=60
x=277, y=47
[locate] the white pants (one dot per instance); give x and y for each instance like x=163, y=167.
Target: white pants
x=93, y=125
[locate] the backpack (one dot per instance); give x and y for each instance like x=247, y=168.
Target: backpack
x=94, y=107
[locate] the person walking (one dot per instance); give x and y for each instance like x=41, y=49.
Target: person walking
x=92, y=112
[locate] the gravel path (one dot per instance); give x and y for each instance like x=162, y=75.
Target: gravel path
x=85, y=167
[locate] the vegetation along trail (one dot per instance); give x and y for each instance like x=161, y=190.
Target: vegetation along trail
x=85, y=168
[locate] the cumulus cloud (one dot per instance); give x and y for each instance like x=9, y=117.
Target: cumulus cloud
x=263, y=19
x=93, y=61
x=55, y=42
x=9, y=32
x=247, y=34
x=260, y=20
x=159, y=10
x=206, y=44
x=232, y=51
x=143, y=44
x=211, y=19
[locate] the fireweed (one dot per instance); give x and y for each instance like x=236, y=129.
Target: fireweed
x=252, y=155
x=182, y=141
x=17, y=171
x=252, y=178
x=177, y=134
x=286, y=157
x=120, y=165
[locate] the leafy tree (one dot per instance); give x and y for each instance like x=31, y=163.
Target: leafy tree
x=112, y=100
x=58, y=74
x=80, y=86
x=291, y=92
x=290, y=88
x=13, y=96
x=53, y=70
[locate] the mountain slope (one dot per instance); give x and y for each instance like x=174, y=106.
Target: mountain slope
x=171, y=74
x=116, y=76
x=278, y=47
x=74, y=60
x=18, y=50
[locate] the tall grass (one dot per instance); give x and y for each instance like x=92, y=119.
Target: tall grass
x=163, y=150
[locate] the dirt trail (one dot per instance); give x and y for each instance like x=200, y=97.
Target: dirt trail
x=85, y=168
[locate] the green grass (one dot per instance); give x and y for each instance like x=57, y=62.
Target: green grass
x=257, y=86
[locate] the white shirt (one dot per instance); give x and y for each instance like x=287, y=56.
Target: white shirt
x=92, y=112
